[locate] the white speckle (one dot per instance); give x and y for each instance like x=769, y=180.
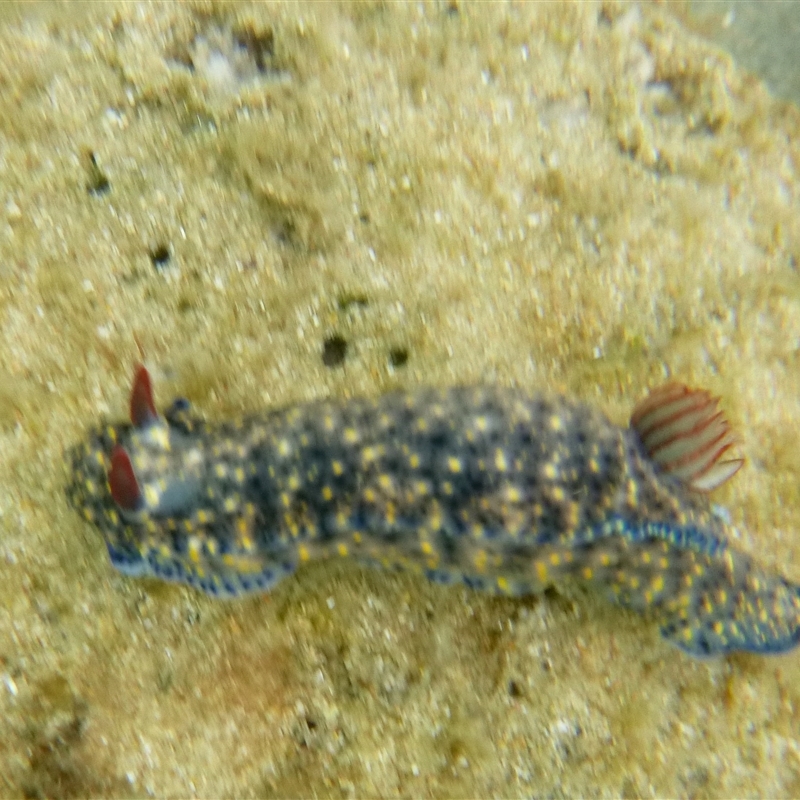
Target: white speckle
x=9, y=684
x=331, y=603
x=720, y=512
x=13, y=211
x=113, y=117
x=87, y=285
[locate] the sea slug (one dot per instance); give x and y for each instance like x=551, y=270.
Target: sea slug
x=505, y=491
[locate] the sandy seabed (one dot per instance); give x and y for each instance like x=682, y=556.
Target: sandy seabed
x=280, y=202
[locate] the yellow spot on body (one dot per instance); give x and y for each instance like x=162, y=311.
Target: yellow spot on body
x=231, y=503
x=594, y=466
x=369, y=454
x=421, y=424
x=556, y=423
x=151, y=495
x=342, y=549
x=503, y=585
x=385, y=481
x=194, y=550
x=294, y=482
x=572, y=515
x=337, y=468
x=327, y=493
x=481, y=423
x=550, y=471
x=541, y=571
x=500, y=460
x=284, y=447
x=427, y=548
x=285, y=499
x=391, y=514
x=558, y=494
x=350, y=435
x=413, y=461
x=480, y=559
x=303, y=553
x=447, y=487
x=242, y=527
x=357, y=537
x=454, y=464
x=588, y=572
x=512, y=494
x=328, y=422
x=657, y=583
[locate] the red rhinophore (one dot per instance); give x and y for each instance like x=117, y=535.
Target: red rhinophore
x=684, y=433
x=143, y=407
x=122, y=479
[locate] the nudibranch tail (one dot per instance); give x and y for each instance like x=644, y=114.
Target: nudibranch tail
x=683, y=432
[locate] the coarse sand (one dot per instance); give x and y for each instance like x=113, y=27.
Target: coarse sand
x=277, y=202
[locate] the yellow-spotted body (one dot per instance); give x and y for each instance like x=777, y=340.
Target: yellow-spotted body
x=501, y=490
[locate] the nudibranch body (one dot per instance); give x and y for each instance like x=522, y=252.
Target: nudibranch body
x=502, y=490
